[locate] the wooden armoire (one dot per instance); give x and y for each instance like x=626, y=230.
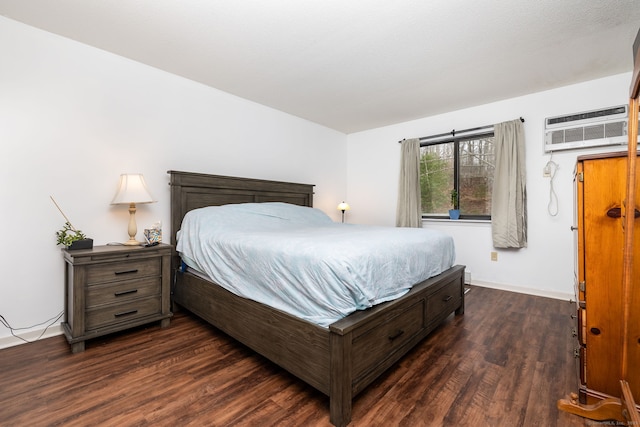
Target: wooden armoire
x=608, y=278
x=600, y=192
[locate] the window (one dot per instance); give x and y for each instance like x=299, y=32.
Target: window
x=463, y=163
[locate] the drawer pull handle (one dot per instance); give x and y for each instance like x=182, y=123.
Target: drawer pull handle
x=125, y=313
x=135, y=270
x=396, y=334
x=447, y=298
x=595, y=331
x=131, y=291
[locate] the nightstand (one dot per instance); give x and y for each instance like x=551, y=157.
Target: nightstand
x=112, y=288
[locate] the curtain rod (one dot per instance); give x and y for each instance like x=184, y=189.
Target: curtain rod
x=453, y=132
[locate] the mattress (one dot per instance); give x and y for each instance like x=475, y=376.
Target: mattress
x=296, y=259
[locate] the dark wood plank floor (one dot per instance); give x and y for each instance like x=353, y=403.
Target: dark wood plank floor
x=504, y=363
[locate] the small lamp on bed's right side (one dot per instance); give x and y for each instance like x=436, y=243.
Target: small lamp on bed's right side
x=343, y=207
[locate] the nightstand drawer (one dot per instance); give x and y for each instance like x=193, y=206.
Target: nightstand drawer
x=123, y=270
x=112, y=314
x=118, y=292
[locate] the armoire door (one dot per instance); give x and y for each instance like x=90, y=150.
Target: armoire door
x=602, y=190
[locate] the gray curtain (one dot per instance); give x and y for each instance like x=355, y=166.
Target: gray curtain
x=409, y=209
x=509, y=196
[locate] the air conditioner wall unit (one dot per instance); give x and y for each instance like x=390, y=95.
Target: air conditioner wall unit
x=596, y=128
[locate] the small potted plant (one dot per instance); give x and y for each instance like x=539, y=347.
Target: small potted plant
x=71, y=237
x=455, y=203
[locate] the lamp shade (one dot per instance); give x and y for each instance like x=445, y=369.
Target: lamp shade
x=344, y=206
x=132, y=189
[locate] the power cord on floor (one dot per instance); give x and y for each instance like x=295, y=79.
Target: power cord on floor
x=51, y=322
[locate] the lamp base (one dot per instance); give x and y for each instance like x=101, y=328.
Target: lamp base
x=133, y=228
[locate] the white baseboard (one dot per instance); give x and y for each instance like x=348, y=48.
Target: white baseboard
x=12, y=341
x=530, y=291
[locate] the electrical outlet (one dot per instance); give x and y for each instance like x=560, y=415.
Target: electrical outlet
x=494, y=256
x=546, y=172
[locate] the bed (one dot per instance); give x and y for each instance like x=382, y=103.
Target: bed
x=339, y=360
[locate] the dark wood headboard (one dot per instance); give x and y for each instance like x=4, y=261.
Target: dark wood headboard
x=196, y=190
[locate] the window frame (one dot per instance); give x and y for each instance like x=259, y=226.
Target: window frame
x=456, y=168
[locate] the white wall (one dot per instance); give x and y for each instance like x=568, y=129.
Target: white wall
x=545, y=267
x=73, y=118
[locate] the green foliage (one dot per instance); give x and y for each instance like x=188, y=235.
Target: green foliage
x=474, y=181
x=455, y=202
x=435, y=175
x=67, y=235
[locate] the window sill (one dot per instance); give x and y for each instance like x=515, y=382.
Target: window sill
x=455, y=221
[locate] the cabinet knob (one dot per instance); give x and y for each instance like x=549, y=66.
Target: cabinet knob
x=595, y=331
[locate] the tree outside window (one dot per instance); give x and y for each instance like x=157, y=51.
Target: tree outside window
x=465, y=164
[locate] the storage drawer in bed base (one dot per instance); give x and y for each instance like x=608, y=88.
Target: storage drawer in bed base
x=379, y=342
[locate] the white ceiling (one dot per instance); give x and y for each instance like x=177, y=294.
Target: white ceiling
x=353, y=65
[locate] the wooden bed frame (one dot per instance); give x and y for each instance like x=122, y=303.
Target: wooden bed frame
x=340, y=361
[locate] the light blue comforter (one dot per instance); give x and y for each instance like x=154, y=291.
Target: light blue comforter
x=298, y=260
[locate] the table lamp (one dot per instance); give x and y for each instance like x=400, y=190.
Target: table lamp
x=343, y=207
x=131, y=190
